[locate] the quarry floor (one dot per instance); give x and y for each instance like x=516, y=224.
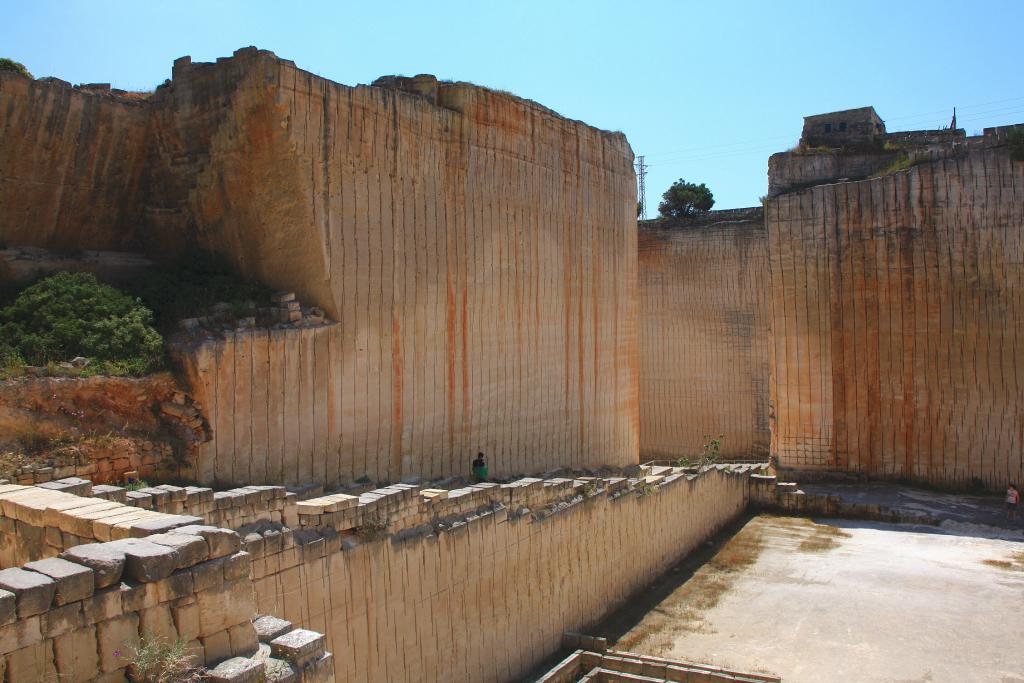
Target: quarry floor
x=840, y=600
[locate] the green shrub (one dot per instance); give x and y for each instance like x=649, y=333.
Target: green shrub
x=71, y=314
x=11, y=65
x=155, y=660
x=11, y=363
x=190, y=284
x=901, y=163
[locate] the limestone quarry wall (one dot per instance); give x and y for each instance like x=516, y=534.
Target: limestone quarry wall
x=71, y=165
x=704, y=336
x=896, y=310
x=487, y=601
x=273, y=400
x=476, y=250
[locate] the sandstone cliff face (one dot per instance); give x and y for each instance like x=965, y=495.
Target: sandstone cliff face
x=71, y=165
x=704, y=336
x=476, y=250
x=896, y=309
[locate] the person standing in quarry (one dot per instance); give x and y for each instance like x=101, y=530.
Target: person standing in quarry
x=480, y=468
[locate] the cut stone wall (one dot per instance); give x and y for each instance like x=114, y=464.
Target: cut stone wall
x=72, y=165
x=487, y=600
x=476, y=249
x=704, y=335
x=896, y=309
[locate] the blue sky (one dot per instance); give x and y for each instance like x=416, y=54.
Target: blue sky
x=706, y=91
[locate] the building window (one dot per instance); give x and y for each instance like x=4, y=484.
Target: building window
x=828, y=127
x=842, y=127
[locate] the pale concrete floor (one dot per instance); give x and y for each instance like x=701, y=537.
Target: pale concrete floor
x=848, y=601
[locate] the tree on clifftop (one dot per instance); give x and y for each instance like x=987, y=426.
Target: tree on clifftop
x=11, y=65
x=685, y=199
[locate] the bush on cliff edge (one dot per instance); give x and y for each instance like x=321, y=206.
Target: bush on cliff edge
x=71, y=314
x=11, y=65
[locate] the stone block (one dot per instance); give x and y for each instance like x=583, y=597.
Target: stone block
x=299, y=646
x=177, y=494
x=216, y=647
x=54, y=538
x=59, y=620
x=186, y=620
x=160, y=497
x=243, y=640
x=79, y=519
x=237, y=670
x=29, y=504
x=253, y=544
x=191, y=549
x=271, y=541
x=146, y=562
x=237, y=566
x=8, y=607
x=103, y=605
x=76, y=655
x=269, y=627
x=20, y=634
x=32, y=663
x=140, y=500
x=208, y=575
x=222, y=542
x=280, y=671
x=60, y=509
x=158, y=622
x=178, y=585
x=138, y=596
x=157, y=525
x=73, y=485
x=106, y=562
x=74, y=581
x=320, y=670
x=112, y=493
x=116, y=638
x=221, y=608
x=33, y=592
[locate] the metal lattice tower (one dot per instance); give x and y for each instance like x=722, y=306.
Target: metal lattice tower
x=641, y=187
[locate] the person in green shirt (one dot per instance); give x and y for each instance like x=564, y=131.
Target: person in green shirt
x=480, y=468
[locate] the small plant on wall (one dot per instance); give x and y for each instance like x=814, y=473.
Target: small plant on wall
x=712, y=449
x=373, y=527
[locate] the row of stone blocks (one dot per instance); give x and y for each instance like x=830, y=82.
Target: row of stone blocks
x=42, y=521
x=39, y=522
x=232, y=508
x=766, y=492
x=403, y=506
